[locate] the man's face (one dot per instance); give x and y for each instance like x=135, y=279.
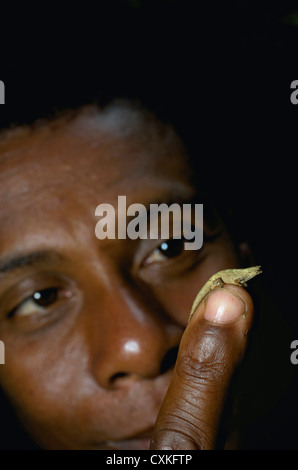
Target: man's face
x=91, y=327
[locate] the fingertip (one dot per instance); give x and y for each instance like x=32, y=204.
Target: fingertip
x=224, y=306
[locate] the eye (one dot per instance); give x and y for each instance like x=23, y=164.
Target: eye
x=39, y=301
x=168, y=249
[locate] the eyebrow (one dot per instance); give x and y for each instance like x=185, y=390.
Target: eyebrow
x=37, y=258
x=17, y=262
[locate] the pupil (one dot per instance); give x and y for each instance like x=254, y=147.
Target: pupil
x=172, y=247
x=46, y=296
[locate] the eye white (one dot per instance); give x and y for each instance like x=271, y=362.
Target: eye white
x=29, y=307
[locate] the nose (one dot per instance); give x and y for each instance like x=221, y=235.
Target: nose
x=132, y=338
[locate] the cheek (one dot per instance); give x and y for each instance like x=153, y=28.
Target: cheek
x=46, y=382
x=37, y=367
x=223, y=255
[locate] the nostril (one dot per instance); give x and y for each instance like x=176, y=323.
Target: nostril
x=169, y=359
x=167, y=363
x=119, y=375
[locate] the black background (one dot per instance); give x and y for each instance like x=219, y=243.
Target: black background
x=222, y=69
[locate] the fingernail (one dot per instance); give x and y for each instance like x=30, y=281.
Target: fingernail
x=223, y=306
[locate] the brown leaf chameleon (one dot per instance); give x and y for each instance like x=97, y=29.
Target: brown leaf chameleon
x=237, y=277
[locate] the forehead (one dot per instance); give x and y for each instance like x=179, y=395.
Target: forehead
x=53, y=176
x=111, y=147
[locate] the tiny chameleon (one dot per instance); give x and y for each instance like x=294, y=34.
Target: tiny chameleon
x=227, y=276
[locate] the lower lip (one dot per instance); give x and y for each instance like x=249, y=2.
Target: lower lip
x=131, y=444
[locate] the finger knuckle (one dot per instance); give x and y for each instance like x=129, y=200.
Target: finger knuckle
x=199, y=370
x=207, y=364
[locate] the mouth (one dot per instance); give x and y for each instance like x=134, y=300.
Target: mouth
x=138, y=442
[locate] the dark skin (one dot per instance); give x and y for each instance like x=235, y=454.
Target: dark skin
x=89, y=325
